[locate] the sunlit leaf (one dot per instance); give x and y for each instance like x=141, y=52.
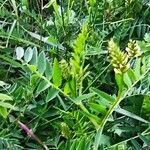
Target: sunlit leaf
x=28, y=54
x=57, y=74
x=3, y=112
x=41, y=62
x=103, y=95
x=19, y=52
x=4, y=97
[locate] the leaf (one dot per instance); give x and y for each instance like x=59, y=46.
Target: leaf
x=3, y=83
x=41, y=62
x=146, y=106
x=73, y=145
x=52, y=93
x=3, y=112
x=32, y=68
x=81, y=144
x=136, y=144
x=45, y=40
x=11, y=62
x=103, y=95
x=144, y=139
x=127, y=80
x=131, y=74
x=28, y=54
x=34, y=80
x=7, y=105
x=62, y=103
x=4, y=97
x=19, y=52
x=25, y=3
x=119, y=81
x=70, y=87
x=43, y=85
x=48, y=71
x=34, y=59
x=97, y=140
x=98, y=107
x=83, y=97
x=14, y=7
x=92, y=2
x=129, y=114
x=67, y=88
x=57, y=74
x=137, y=68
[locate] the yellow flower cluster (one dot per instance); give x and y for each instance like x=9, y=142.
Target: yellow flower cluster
x=133, y=49
x=119, y=59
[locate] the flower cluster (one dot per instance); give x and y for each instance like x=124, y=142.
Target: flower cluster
x=119, y=59
x=65, y=67
x=133, y=49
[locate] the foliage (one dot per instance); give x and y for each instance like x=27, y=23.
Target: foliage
x=75, y=74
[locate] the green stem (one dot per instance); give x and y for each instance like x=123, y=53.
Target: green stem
x=80, y=104
x=118, y=100
x=135, y=137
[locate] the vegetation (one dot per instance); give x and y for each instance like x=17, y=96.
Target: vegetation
x=75, y=74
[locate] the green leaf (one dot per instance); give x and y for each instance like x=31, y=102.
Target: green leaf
x=120, y=83
x=52, y=93
x=131, y=74
x=7, y=105
x=97, y=140
x=145, y=140
x=48, y=71
x=57, y=74
x=98, y=107
x=25, y=3
x=41, y=62
x=11, y=62
x=73, y=145
x=67, y=88
x=136, y=144
x=34, y=59
x=83, y=97
x=4, y=97
x=32, y=68
x=103, y=95
x=137, y=68
x=129, y=114
x=127, y=80
x=70, y=87
x=43, y=85
x=28, y=54
x=34, y=80
x=92, y=2
x=3, y=112
x=81, y=145
x=3, y=83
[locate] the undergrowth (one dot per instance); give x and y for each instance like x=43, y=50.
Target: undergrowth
x=75, y=75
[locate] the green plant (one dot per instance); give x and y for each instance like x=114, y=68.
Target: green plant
x=74, y=74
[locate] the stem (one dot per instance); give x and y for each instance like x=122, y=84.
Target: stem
x=135, y=137
x=118, y=100
x=80, y=104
